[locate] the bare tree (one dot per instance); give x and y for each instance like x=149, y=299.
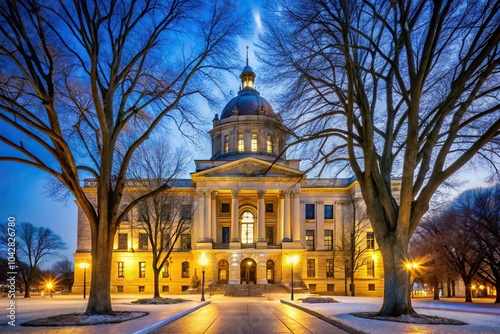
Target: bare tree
x=34, y=246
x=405, y=89
x=163, y=217
x=64, y=273
x=480, y=209
x=79, y=77
x=354, y=249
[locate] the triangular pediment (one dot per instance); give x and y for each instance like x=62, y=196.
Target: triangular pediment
x=248, y=167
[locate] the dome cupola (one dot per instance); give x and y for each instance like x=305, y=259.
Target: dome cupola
x=248, y=125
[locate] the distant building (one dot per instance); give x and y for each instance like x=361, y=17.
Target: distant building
x=251, y=209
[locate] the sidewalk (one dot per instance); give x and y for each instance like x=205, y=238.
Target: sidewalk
x=480, y=316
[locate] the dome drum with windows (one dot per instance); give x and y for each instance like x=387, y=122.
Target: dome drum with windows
x=248, y=125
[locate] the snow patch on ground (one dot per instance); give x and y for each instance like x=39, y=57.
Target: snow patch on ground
x=81, y=319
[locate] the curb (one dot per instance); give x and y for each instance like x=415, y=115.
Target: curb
x=334, y=322
x=168, y=320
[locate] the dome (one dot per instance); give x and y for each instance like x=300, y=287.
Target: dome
x=248, y=103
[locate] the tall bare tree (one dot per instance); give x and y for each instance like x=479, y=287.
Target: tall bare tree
x=77, y=77
x=393, y=88
x=34, y=246
x=166, y=216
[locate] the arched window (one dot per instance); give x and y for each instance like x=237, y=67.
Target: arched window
x=270, y=271
x=223, y=271
x=247, y=222
x=185, y=269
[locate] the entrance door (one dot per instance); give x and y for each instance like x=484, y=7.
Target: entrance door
x=248, y=271
x=225, y=234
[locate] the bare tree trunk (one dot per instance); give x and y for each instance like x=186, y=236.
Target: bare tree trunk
x=397, y=299
x=436, y=289
x=156, y=273
x=102, y=252
x=27, y=289
x=468, y=290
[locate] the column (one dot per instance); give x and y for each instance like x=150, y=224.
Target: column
x=207, y=229
x=213, y=213
x=201, y=214
x=286, y=218
x=235, y=231
x=320, y=225
x=261, y=219
x=296, y=215
x=281, y=207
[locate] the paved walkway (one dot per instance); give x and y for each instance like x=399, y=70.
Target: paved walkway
x=482, y=316
x=240, y=317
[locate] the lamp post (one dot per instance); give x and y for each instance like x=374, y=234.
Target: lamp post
x=84, y=266
x=49, y=286
x=203, y=262
x=292, y=260
x=410, y=267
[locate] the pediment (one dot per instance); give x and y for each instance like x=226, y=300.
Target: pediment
x=248, y=167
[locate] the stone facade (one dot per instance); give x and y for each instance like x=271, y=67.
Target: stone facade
x=252, y=209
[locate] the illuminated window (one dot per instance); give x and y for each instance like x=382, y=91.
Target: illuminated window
x=226, y=143
x=185, y=269
x=247, y=227
x=122, y=240
x=143, y=241
x=142, y=269
x=311, y=268
x=142, y=288
x=370, y=240
x=310, y=240
x=119, y=288
x=328, y=239
x=254, y=142
x=121, y=269
x=370, y=268
x=269, y=144
x=329, y=268
x=241, y=142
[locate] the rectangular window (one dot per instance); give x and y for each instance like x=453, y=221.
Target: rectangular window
x=225, y=208
x=311, y=268
x=254, y=142
x=226, y=143
x=269, y=144
x=143, y=241
x=164, y=288
x=370, y=240
x=329, y=268
x=269, y=207
x=241, y=142
x=330, y=287
x=309, y=211
x=328, y=239
x=141, y=288
x=310, y=240
x=225, y=234
x=186, y=211
x=185, y=241
x=370, y=268
x=328, y=212
x=312, y=287
x=121, y=269
x=143, y=212
x=184, y=288
x=142, y=269
x=270, y=235
x=119, y=288
x=122, y=240
x=165, y=273
x=165, y=212
x=371, y=287
x=185, y=269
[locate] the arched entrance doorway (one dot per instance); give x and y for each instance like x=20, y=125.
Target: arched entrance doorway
x=223, y=274
x=248, y=271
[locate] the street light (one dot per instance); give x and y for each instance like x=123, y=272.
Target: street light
x=292, y=260
x=84, y=266
x=411, y=267
x=203, y=262
x=49, y=286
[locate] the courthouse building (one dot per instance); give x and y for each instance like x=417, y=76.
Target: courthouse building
x=251, y=210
